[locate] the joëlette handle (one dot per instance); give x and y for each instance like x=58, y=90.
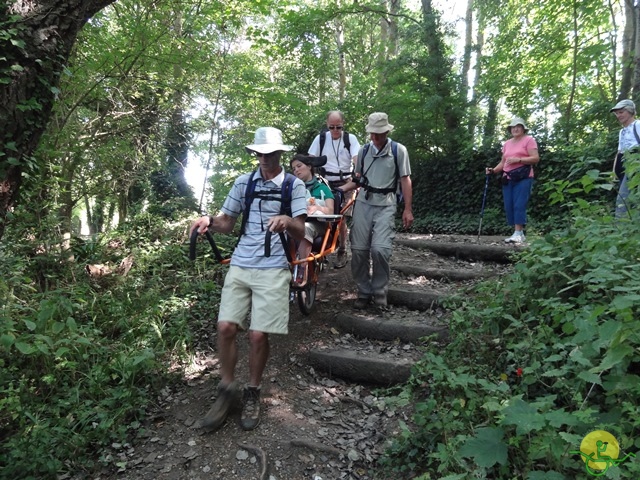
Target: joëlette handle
x=193, y=241
x=283, y=239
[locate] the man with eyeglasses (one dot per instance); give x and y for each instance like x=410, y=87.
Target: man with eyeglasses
x=254, y=282
x=341, y=149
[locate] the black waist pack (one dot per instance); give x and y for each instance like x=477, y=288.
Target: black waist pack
x=516, y=175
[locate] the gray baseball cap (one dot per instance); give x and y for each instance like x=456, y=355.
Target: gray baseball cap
x=626, y=104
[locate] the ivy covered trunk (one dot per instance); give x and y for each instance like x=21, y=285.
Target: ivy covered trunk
x=36, y=39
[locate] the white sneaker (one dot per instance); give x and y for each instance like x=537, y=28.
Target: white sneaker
x=512, y=238
x=517, y=237
x=520, y=238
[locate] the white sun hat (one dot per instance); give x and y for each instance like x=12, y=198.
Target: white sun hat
x=268, y=140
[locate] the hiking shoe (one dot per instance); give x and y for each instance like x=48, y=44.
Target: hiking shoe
x=341, y=261
x=520, y=239
x=250, y=417
x=361, y=303
x=517, y=237
x=228, y=398
x=380, y=300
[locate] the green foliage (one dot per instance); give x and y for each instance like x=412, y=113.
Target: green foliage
x=537, y=360
x=81, y=360
x=448, y=191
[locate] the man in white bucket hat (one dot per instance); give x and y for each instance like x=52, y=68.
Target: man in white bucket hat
x=381, y=167
x=254, y=282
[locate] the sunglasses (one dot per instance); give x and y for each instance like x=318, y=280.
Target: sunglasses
x=266, y=156
x=335, y=127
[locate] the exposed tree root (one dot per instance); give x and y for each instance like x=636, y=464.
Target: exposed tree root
x=262, y=458
x=313, y=445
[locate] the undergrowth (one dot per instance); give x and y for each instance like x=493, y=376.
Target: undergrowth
x=82, y=357
x=536, y=360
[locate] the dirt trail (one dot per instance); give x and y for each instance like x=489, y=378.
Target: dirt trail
x=313, y=426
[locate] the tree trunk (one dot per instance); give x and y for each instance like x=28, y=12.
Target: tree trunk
x=440, y=72
x=394, y=10
x=468, y=45
x=636, y=55
x=342, y=69
x=382, y=49
x=35, y=58
x=473, y=111
x=491, y=122
x=574, y=74
x=628, y=42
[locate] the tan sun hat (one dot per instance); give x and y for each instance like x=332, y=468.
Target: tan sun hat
x=268, y=140
x=378, y=123
x=517, y=121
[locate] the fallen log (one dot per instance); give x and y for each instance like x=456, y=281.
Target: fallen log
x=467, y=251
x=413, y=299
x=378, y=328
x=100, y=270
x=353, y=366
x=441, y=273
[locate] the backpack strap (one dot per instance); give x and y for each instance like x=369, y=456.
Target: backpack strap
x=285, y=209
x=367, y=187
x=286, y=192
x=248, y=199
x=323, y=140
x=347, y=142
x=635, y=131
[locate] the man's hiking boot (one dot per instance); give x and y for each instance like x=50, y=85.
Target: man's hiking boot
x=250, y=417
x=380, y=300
x=341, y=261
x=228, y=398
x=361, y=303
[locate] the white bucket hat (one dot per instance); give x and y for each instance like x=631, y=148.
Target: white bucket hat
x=378, y=123
x=517, y=121
x=268, y=140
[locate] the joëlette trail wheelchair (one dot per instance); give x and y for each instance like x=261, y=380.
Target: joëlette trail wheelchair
x=323, y=246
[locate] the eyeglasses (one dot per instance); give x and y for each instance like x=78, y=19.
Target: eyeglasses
x=266, y=156
x=335, y=127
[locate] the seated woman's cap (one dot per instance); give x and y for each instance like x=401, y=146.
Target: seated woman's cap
x=268, y=140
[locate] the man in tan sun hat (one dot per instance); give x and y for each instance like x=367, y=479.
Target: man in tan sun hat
x=381, y=167
x=254, y=282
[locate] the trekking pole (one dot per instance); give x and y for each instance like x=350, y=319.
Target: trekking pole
x=484, y=200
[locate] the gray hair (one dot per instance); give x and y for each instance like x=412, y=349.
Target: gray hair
x=335, y=112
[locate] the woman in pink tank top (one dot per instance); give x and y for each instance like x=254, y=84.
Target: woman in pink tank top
x=519, y=154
